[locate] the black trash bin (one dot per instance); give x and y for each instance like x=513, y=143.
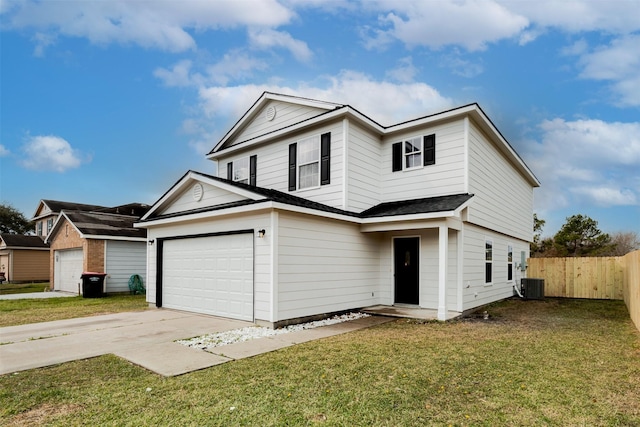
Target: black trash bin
x=92, y=284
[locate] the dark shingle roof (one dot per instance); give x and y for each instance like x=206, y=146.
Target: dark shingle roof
x=58, y=206
x=417, y=206
x=22, y=241
x=105, y=224
x=404, y=207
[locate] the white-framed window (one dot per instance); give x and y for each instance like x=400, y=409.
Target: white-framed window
x=509, y=263
x=241, y=170
x=309, y=162
x=488, y=262
x=412, y=153
x=49, y=225
x=39, y=229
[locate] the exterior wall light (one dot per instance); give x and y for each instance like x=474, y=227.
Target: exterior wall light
x=151, y=242
x=261, y=233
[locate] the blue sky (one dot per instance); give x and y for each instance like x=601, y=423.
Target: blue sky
x=111, y=102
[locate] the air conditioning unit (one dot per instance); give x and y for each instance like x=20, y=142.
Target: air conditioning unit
x=532, y=288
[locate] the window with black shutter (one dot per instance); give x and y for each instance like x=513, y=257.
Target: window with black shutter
x=293, y=150
x=325, y=159
x=429, y=144
x=413, y=153
x=230, y=171
x=253, y=160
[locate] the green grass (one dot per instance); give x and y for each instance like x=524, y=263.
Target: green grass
x=23, y=311
x=553, y=362
x=21, y=288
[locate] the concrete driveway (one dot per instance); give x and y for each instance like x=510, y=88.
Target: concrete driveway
x=145, y=338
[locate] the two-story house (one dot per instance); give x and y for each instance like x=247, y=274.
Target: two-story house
x=315, y=208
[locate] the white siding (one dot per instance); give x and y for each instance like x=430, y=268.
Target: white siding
x=503, y=199
x=324, y=266
x=476, y=292
x=211, y=196
x=272, y=165
x=429, y=268
x=286, y=115
x=363, y=187
x=262, y=254
x=124, y=259
x=446, y=176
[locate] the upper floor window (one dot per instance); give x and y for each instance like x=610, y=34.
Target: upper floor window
x=309, y=162
x=39, y=229
x=243, y=170
x=49, y=225
x=414, y=153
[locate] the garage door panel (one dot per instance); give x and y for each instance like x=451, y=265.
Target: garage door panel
x=68, y=269
x=210, y=275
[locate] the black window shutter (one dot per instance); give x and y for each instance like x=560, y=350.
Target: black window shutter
x=253, y=160
x=293, y=148
x=429, y=143
x=325, y=158
x=397, y=157
x=230, y=171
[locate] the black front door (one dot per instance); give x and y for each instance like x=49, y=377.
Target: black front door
x=406, y=270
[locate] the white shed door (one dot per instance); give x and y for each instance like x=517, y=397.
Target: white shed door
x=68, y=270
x=210, y=275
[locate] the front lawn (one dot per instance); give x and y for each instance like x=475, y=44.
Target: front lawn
x=22, y=288
x=23, y=311
x=553, y=362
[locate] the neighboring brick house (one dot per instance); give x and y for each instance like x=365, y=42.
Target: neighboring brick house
x=104, y=242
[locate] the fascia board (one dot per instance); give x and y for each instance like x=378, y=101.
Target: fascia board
x=119, y=238
x=24, y=248
x=446, y=115
x=314, y=212
x=414, y=217
x=204, y=215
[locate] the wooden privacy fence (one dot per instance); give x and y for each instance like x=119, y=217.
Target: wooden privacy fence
x=592, y=277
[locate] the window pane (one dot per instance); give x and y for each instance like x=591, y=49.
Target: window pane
x=509, y=271
x=309, y=176
x=510, y=254
x=413, y=145
x=413, y=153
x=489, y=251
x=413, y=160
x=241, y=170
x=308, y=150
x=487, y=272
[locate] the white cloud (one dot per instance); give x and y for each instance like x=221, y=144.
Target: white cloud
x=235, y=65
x=161, y=25
x=619, y=16
x=619, y=63
x=178, y=76
x=405, y=72
x=429, y=23
x=4, y=151
x=50, y=153
x=586, y=161
x=265, y=38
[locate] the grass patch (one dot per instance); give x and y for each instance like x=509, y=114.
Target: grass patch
x=552, y=362
x=22, y=288
x=24, y=311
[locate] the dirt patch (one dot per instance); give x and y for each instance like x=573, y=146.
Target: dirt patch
x=42, y=414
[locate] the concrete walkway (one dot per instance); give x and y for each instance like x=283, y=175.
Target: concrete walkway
x=54, y=294
x=145, y=338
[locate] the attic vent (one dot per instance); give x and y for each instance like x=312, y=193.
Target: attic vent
x=271, y=113
x=197, y=192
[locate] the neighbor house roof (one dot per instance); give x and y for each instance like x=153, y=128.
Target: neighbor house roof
x=446, y=203
x=56, y=206
x=17, y=241
x=100, y=225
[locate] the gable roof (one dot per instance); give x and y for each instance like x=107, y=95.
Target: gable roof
x=334, y=111
x=100, y=225
x=429, y=205
x=57, y=206
x=16, y=241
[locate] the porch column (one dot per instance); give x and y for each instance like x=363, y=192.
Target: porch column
x=443, y=261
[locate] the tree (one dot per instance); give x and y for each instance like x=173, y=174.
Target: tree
x=536, y=247
x=13, y=221
x=580, y=236
x=624, y=242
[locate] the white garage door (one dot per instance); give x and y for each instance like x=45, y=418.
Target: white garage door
x=68, y=270
x=210, y=275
